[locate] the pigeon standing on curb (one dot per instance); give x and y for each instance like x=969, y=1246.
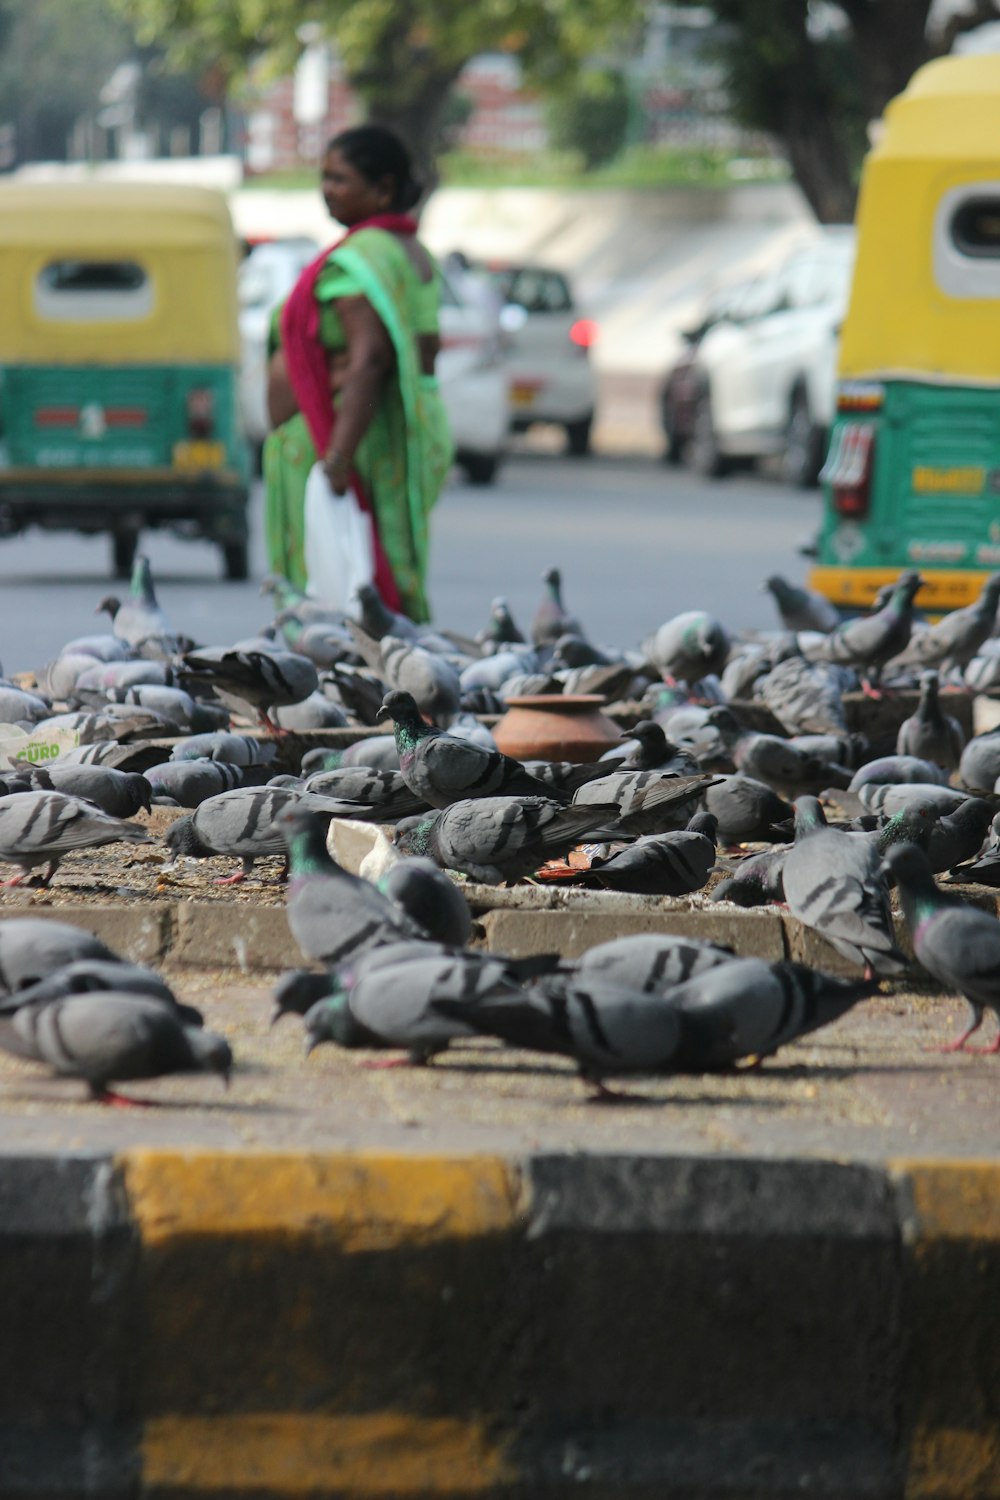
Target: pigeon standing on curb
x=930, y=733
x=38, y=828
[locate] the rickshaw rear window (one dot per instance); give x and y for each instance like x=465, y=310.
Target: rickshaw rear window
x=975, y=228
x=93, y=291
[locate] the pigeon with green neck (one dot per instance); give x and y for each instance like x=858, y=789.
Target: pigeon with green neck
x=867, y=644
x=501, y=839
x=441, y=768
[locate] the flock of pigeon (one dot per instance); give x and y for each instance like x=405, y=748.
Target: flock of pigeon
x=665, y=812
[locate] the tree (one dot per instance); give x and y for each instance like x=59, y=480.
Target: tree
x=590, y=115
x=402, y=57
x=815, y=74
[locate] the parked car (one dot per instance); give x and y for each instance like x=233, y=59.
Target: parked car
x=764, y=373
x=547, y=353
x=470, y=365
x=682, y=387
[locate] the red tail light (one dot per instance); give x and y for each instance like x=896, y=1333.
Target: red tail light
x=848, y=469
x=201, y=412
x=584, y=333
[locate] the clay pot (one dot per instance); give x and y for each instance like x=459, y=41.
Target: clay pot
x=556, y=726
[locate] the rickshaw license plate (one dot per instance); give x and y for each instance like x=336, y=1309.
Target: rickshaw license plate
x=522, y=394
x=195, y=456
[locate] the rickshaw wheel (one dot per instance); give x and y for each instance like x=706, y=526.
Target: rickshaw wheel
x=803, y=456
x=123, y=549
x=237, y=563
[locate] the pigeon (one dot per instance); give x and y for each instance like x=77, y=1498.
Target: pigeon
x=377, y=619
x=658, y=864
x=315, y=712
x=985, y=868
x=755, y=881
x=501, y=630
x=333, y=914
x=689, y=647
x=834, y=884
x=979, y=766
x=252, y=682
x=775, y=761
x=104, y=647
x=747, y=811
x=187, y=783
x=354, y=689
x=397, y=1005
x=442, y=769
x=20, y=707
x=38, y=828
x=891, y=797
x=958, y=636
x=806, y=697
x=33, y=947
x=379, y=752
x=550, y=619
x=871, y=641
x=651, y=750
x=431, y=898
x=138, y=619
x=959, y=835
x=373, y=796
x=647, y=801
x=234, y=749
x=242, y=823
x=605, y=1027
x=431, y=681
x=895, y=770
x=957, y=944
x=501, y=839
x=95, y=686
x=651, y=962
x=84, y=975
x=802, y=609
x=749, y=1008
x=121, y=794
x=930, y=734
x=110, y=1037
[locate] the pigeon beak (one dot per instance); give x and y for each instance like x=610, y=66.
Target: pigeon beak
x=225, y=1080
x=382, y=715
x=276, y=1016
x=311, y=1044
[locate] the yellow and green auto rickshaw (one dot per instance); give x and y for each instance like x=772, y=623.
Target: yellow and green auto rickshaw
x=912, y=475
x=119, y=354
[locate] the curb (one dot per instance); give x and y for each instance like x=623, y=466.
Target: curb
x=204, y=1324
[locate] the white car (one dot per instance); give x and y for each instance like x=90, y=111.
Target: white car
x=470, y=367
x=547, y=353
x=765, y=373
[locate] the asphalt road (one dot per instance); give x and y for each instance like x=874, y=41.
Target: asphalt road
x=637, y=541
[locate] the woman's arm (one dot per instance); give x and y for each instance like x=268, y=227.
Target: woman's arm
x=281, y=402
x=370, y=358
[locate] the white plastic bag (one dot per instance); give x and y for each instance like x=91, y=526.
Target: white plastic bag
x=338, y=543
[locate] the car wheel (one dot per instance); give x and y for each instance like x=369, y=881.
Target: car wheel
x=703, y=452
x=578, y=436
x=123, y=549
x=235, y=558
x=673, y=452
x=480, y=468
x=803, y=456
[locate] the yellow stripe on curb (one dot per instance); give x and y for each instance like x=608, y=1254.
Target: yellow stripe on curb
x=953, y=1200
x=359, y=1201
x=953, y=1464
x=385, y=1453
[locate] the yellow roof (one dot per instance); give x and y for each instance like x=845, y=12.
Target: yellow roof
x=950, y=108
x=79, y=214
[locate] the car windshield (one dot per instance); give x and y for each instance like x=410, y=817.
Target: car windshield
x=533, y=288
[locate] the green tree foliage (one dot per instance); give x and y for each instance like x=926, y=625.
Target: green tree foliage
x=401, y=56
x=52, y=69
x=590, y=114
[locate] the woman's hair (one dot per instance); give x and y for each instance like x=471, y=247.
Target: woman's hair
x=377, y=152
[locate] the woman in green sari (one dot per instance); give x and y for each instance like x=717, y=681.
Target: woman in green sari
x=353, y=379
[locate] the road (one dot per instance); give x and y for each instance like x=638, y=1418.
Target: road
x=637, y=541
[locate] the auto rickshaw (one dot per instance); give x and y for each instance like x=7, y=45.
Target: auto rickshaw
x=912, y=474
x=119, y=355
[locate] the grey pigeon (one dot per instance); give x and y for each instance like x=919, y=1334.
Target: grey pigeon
x=317, y=711
x=186, y=783
x=778, y=763
x=431, y=898
x=138, y=619
x=431, y=681
x=957, y=944
x=749, y=1008
x=379, y=620
x=689, y=647
x=647, y=801
x=372, y=796
x=86, y=974
x=222, y=744
x=109, y=1037
x=979, y=766
x=895, y=770
x=957, y=637
x=747, y=811
x=33, y=947
x=869, y=642
x=398, y=1005
x=891, y=797
x=658, y=864
x=38, y=828
x=334, y=915
x=806, y=697
x=442, y=769
x=121, y=794
x=985, y=868
x=550, y=619
x=354, y=689
x=501, y=630
x=834, y=884
x=20, y=707
x=498, y=839
x=379, y=752
x=930, y=733
x=101, y=679
x=252, y=682
x=242, y=824
x=651, y=750
x=959, y=835
x=802, y=609
x=756, y=880
x=103, y=647
x=651, y=962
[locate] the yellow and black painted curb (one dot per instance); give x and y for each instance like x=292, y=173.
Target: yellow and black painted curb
x=201, y=1324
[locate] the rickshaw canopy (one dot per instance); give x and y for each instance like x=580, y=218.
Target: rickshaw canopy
x=116, y=273
x=925, y=301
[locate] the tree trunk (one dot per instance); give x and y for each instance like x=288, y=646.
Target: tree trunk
x=890, y=44
x=819, y=161
x=416, y=117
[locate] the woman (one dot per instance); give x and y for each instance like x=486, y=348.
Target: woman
x=353, y=379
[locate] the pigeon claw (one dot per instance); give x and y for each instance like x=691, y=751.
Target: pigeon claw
x=236, y=879
x=119, y=1101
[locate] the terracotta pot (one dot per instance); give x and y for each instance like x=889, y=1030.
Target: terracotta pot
x=556, y=726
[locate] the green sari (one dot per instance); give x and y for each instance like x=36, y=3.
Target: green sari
x=406, y=452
